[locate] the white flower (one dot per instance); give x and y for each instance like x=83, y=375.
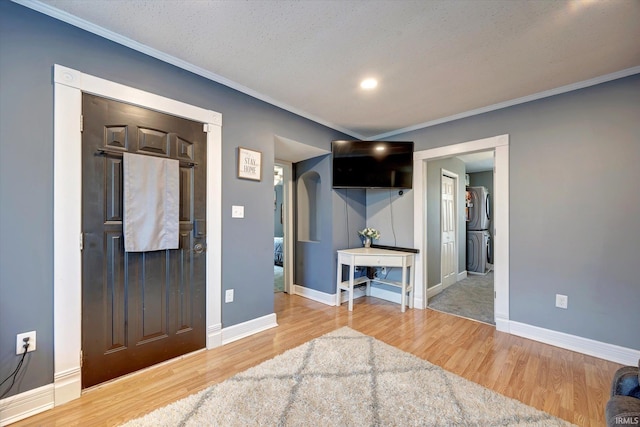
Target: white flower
x=369, y=232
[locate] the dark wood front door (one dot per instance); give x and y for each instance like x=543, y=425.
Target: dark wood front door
x=138, y=308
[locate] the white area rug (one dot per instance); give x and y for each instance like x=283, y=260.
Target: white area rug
x=346, y=378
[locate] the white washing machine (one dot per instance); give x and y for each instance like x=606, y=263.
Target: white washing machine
x=478, y=248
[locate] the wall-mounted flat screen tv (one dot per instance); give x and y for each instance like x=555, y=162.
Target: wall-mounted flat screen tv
x=372, y=164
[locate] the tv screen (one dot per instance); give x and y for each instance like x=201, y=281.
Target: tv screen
x=372, y=164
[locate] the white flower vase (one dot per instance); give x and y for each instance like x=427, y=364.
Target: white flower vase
x=367, y=242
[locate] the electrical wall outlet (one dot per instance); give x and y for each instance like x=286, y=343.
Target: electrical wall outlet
x=228, y=295
x=237, y=211
x=31, y=337
x=383, y=271
x=562, y=301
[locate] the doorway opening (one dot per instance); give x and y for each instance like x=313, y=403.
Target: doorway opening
x=283, y=254
x=278, y=228
x=287, y=153
x=425, y=212
x=468, y=289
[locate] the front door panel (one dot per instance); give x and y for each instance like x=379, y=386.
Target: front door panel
x=138, y=309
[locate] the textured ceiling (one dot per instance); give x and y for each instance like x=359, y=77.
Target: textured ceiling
x=435, y=60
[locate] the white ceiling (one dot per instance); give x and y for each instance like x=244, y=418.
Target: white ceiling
x=478, y=162
x=435, y=60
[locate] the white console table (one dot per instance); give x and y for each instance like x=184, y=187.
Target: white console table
x=374, y=257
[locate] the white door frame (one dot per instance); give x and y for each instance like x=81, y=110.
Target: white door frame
x=500, y=145
x=287, y=196
x=454, y=176
x=69, y=85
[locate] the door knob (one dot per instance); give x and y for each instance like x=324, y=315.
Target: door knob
x=198, y=248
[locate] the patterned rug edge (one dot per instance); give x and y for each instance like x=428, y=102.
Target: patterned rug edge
x=346, y=378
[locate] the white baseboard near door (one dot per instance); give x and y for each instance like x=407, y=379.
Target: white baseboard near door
x=214, y=336
x=67, y=385
x=24, y=405
x=502, y=324
x=248, y=328
x=434, y=290
x=612, y=352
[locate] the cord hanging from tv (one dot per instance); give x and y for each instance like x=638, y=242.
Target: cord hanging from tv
x=372, y=164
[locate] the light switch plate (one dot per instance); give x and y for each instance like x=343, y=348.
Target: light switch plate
x=237, y=211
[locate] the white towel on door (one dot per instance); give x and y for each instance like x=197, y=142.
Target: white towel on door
x=151, y=203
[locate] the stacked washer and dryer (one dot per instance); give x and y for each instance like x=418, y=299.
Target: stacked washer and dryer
x=478, y=217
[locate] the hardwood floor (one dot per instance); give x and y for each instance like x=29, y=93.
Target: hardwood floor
x=566, y=384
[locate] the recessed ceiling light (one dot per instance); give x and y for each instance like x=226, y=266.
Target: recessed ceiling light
x=368, y=84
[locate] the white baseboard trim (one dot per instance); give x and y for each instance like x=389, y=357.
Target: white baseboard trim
x=502, y=325
x=24, y=405
x=248, y=328
x=330, y=299
x=323, y=297
x=434, y=290
x=67, y=385
x=385, y=294
x=612, y=352
x=214, y=336
x=357, y=293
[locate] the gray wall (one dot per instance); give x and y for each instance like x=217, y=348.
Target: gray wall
x=390, y=213
x=30, y=44
x=574, y=229
x=349, y=216
x=434, y=198
x=314, y=255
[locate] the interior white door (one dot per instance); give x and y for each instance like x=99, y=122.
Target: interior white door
x=448, y=254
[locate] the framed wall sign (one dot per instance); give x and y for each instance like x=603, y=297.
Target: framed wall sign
x=249, y=164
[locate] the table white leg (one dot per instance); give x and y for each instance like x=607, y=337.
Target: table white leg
x=403, y=298
x=338, y=281
x=412, y=285
x=351, y=274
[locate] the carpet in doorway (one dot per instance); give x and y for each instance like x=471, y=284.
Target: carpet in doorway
x=345, y=378
x=278, y=279
x=471, y=298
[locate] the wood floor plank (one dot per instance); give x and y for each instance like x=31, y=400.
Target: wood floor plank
x=566, y=384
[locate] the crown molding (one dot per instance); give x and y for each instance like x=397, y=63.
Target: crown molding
x=155, y=53
x=540, y=95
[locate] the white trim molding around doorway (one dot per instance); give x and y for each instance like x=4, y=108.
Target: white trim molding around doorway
x=69, y=85
x=500, y=146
